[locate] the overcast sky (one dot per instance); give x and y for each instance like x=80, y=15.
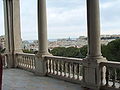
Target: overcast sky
x=66, y=18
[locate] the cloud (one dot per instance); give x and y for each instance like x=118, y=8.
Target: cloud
x=110, y=22
x=107, y=5
x=59, y=17
x=66, y=18
x=67, y=21
x=65, y=32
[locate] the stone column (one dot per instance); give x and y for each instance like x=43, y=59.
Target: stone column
x=42, y=38
x=12, y=30
x=91, y=77
x=93, y=24
x=17, y=27
x=42, y=27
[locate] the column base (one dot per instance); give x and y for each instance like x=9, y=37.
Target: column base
x=97, y=59
x=40, y=64
x=42, y=54
x=92, y=72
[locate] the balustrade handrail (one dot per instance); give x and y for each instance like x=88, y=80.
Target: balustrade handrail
x=110, y=64
x=68, y=59
x=28, y=54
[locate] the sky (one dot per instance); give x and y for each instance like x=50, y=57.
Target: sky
x=65, y=18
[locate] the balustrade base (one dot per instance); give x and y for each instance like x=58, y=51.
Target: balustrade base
x=91, y=72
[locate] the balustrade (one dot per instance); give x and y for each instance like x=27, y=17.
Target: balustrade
x=110, y=75
x=69, y=69
x=25, y=61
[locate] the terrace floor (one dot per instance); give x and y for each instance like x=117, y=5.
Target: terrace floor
x=17, y=79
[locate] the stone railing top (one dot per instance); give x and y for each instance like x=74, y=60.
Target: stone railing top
x=23, y=54
x=77, y=60
x=110, y=64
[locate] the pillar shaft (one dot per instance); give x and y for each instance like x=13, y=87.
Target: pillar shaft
x=40, y=68
x=12, y=25
x=91, y=68
x=12, y=29
x=17, y=26
x=93, y=22
x=42, y=27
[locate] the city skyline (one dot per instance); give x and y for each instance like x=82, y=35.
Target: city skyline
x=65, y=18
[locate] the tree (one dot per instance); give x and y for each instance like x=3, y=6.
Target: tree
x=104, y=50
x=110, y=51
x=28, y=51
x=58, y=51
x=66, y=52
x=113, y=50
x=71, y=52
x=83, y=51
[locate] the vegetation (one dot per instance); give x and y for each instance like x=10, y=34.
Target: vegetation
x=66, y=52
x=83, y=51
x=110, y=51
x=29, y=51
x=58, y=51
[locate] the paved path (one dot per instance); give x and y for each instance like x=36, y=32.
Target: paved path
x=16, y=79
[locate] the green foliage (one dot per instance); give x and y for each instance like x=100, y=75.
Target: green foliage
x=28, y=51
x=58, y=51
x=71, y=52
x=83, y=51
x=104, y=50
x=66, y=52
x=110, y=51
x=113, y=50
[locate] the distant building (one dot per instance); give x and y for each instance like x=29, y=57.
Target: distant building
x=69, y=42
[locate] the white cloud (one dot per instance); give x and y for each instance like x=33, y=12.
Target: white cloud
x=57, y=16
x=107, y=5
x=66, y=18
x=70, y=23
x=65, y=31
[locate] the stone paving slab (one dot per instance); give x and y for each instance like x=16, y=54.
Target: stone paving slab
x=17, y=79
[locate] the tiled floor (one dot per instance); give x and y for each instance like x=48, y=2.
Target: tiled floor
x=16, y=79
